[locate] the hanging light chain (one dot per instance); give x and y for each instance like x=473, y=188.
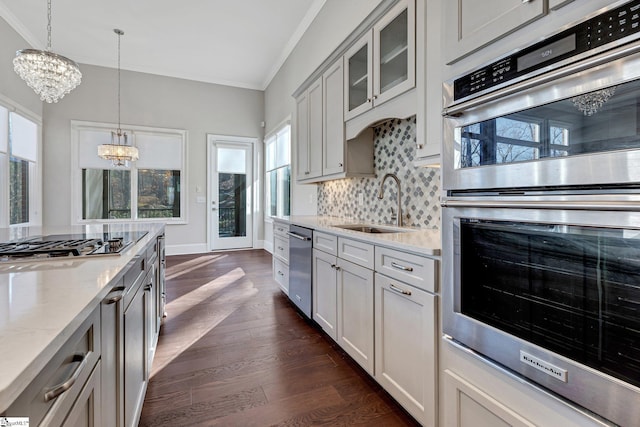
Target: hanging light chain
x=119, y=33
x=48, y=25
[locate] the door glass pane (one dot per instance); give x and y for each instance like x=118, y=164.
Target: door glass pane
x=106, y=194
x=394, y=45
x=158, y=193
x=594, y=122
x=358, y=78
x=18, y=191
x=567, y=288
x=232, y=160
x=232, y=208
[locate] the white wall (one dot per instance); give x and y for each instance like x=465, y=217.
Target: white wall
x=335, y=21
x=12, y=86
x=149, y=100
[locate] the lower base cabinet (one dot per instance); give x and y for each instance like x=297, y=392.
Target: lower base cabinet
x=136, y=344
x=67, y=389
x=468, y=406
x=86, y=411
x=355, y=313
x=405, y=351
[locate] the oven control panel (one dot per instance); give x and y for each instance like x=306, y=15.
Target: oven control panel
x=608, y=27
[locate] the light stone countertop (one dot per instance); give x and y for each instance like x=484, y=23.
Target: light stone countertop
x=420, y=241
x=43, y=302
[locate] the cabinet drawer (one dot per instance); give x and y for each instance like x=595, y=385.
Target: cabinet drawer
x=415, y=270
x=281, y=274
x=281, y=248
x=280, y=228
x=51, y=395
x=357, y=252
x=325, y=242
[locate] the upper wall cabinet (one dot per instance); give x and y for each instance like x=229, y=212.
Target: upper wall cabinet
x=323, y=153
x=470, y=24
x=381, y=65
x=309, y=132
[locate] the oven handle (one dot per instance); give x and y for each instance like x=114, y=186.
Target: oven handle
x=457, y=110
x=600, y=205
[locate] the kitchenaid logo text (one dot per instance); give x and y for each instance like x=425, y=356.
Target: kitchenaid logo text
x=541, y=365
x=14, y=421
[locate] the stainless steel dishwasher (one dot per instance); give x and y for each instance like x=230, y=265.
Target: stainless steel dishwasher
x=300, y=253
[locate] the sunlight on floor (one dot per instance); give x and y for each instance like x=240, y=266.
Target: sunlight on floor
x=220, y=307
x=186, y=267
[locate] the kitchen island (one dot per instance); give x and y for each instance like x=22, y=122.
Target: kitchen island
x=43, y=303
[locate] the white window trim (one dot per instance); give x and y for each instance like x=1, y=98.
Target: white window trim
x=273, y=133
x=35, y=181
x=76, y=175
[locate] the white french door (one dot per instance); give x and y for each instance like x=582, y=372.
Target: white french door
x=230, y=192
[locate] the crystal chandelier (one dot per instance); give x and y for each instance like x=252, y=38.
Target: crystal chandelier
x=591, y=102
x=118, y=151
x=50, y=75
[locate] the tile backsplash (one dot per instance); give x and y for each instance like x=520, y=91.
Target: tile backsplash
x=394, y=151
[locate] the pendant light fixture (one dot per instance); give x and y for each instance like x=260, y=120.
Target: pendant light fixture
x=118, y=151
x=50, y=75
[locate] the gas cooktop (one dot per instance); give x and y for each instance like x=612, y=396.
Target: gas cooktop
x=67, y=245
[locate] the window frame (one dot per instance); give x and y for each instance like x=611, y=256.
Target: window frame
x=76, y=175
x=34, y=169
x=272, y=138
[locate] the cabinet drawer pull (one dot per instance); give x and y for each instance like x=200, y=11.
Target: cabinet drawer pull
x=280, y=248
x=57, y=390
x=398, y=290
x=117, y=297
x=280, y=273
x=401, y=267
x=148, y=287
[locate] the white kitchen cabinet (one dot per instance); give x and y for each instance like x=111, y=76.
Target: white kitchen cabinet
x=406, y=327
x=470, y=25
x=323, y=151
x=355, y=313
x=281, y=255
x=333, y=141
x=325, y=292
x=381, y=65
x=86, y=411
x=136, y=347
x=309, y=132
x=428, y=82
x=468, y=406
x=557, y=4
x=69, y=384
x=111, y=321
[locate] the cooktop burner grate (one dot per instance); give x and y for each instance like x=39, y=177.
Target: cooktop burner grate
x=50, y=248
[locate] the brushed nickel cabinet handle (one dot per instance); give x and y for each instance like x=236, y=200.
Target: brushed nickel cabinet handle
x=114, y=299
x=57, y=390
x=398, y=290
x=401, y=267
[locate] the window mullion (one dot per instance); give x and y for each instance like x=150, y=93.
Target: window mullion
x=134, y=193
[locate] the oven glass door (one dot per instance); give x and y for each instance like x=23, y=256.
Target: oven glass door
x=574, y=290
x=595, y=122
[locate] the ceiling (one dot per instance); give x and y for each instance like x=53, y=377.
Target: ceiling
x=238, y=43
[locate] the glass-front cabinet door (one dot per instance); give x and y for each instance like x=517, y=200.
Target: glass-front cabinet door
x=394, y=52
x=358, y=72
x=382, y=64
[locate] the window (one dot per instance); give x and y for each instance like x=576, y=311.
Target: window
x=148, y=189
x=19, y=146
x=278, y=172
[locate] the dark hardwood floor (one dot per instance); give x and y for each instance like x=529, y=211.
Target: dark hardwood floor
x=234, y=352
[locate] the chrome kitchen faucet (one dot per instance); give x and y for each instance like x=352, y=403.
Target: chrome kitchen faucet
x=398, y=214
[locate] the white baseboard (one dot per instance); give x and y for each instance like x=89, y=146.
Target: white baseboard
x=268, y=246
x=200, y=248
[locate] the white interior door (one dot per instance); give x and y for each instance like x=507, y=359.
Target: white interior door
x=230, y=198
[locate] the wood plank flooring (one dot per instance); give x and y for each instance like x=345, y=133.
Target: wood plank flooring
x=234, y=352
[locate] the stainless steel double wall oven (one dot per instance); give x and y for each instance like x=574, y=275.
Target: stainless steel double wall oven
x=541, y=214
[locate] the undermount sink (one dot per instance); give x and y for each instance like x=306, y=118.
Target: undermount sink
x=369, y=229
